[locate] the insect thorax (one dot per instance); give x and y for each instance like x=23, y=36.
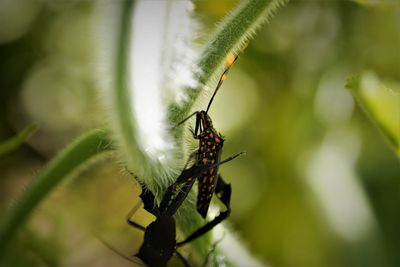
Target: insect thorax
x=210, y=144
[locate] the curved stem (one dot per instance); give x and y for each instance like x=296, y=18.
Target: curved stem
x=93, y=144
x=14, y=142
x=231, y=35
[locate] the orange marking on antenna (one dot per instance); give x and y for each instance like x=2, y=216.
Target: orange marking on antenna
x=230, y=59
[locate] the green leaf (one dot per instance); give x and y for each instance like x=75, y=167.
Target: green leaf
x=93, y=144
x=379, y=3
x=381, y=101
x=16, y=141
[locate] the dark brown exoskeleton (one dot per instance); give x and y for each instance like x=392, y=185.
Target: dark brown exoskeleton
x=159, y=243
x=210, y=148
x=209, y=152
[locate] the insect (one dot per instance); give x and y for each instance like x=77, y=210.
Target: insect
x=210, y=147
x=159, y=244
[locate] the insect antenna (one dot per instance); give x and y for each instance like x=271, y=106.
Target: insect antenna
x=185, y=119
x=229, y=63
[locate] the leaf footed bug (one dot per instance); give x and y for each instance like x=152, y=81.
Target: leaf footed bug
x=159, y=244
x=210, y=147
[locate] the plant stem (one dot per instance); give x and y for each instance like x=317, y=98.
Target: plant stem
x=232, y=34
x=14, y=142
x=87, y=147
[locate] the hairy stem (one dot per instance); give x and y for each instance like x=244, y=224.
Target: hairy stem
x=14, y=142
x=232, y=35
x=93, y=144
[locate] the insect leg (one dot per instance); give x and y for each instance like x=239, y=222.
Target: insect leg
x=149, y=201
x=186, y=179
x=180, y=256
x=177, y=201
x=149, y=205
x=132, y=223
x=223, y=192
x=204, y=229
x=231, y=158
x=185, y=174
x=198, y=125
x=185, y=119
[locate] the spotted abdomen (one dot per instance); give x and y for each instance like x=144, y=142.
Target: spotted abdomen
x=209, y=153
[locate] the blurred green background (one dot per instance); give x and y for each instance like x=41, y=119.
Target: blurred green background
x=320, y=186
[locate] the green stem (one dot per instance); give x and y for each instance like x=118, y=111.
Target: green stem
x=17, y=140
x=233, y=32
x=90, y=145
x=381, y=102
x=231, y=36
x=121, y=93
